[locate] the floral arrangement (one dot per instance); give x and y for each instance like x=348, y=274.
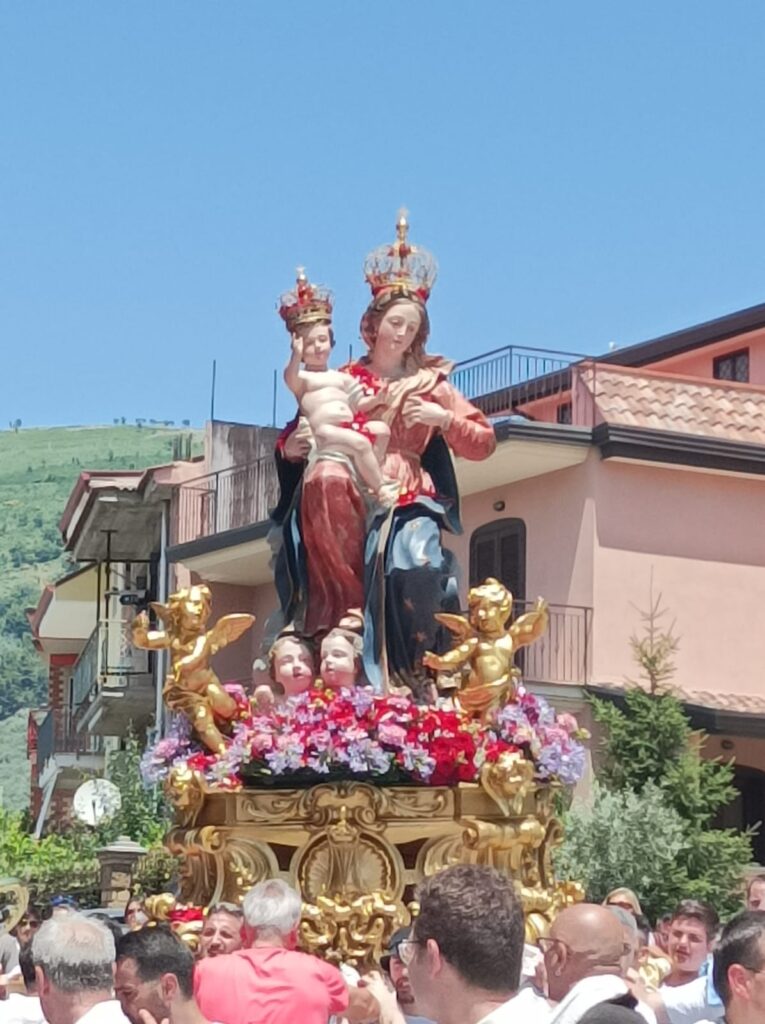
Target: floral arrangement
x=325, y=734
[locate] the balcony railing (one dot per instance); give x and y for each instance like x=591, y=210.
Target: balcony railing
x=110, y=655
x=562, y=655
x=514, y=379
x=226, y=500
x=56, y=735
x=536, y=383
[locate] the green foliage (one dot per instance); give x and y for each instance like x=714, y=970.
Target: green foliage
x=650, y=748
x=38, y=469
x=67, y=862
x=144, y=815
x=625, y=838
x=55, y=864
x=156, y=872
x=14, y=764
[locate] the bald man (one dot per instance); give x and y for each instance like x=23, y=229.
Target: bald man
x=583, y=955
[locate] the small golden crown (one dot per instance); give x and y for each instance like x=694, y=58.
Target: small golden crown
x=401, y=267
x=306, y=303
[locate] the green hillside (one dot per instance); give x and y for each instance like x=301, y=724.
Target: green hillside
x=38, y=468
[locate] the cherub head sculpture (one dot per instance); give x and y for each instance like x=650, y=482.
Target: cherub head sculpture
x=490, y=605
x=291, y=665
x=188, y=609
x=341, y=651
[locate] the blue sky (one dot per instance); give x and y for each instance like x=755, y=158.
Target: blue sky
x=586, y=173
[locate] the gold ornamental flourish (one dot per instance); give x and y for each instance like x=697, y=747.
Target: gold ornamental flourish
x=356, y=850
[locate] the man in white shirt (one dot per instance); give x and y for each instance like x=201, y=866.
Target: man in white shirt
x=464, y=955
x=18, y=1008
x=584, y=954
x=74, y=968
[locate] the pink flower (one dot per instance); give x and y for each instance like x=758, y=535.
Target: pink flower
x=391, y=734
x=568, y=722
x=262, y=741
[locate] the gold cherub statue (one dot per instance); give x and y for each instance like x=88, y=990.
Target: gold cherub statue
x=191, y=685
x=484, y=654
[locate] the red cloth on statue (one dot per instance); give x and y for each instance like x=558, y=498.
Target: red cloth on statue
x=332, y=524
x=333, y=513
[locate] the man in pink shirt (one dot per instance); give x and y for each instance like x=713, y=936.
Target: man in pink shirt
x=269, y=982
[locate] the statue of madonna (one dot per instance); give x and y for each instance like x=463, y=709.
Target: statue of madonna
x=343, y=554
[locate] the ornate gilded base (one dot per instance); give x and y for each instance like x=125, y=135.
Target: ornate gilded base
x=356, y=851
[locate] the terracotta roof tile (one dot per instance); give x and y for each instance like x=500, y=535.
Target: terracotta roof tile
x=684, y=405
x=737, y=703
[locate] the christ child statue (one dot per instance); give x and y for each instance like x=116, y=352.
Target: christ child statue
x=332, y=402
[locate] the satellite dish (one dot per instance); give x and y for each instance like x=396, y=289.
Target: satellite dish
x=96, y=800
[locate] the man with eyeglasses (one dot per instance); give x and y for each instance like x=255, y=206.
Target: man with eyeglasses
x=583, y=960
x=398, y=974
x=739, y=968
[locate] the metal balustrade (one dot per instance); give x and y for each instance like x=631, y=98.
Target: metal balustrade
x=110, y=655
x=226, y=500
x=562, y=655
x=56, y=735
x=511, y=379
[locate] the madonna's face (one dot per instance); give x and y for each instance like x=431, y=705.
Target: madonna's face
x=398, y=329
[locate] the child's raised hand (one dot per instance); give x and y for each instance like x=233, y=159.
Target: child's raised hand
x=297, y=346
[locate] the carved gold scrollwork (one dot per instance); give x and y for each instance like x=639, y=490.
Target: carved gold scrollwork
x=217, y=865
x=438, y=853
x=345, y=857
x=345, y=861
x=358, y=802
x=356, y=931
x=271, y=808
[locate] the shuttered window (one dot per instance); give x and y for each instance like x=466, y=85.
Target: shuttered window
x=499, y=550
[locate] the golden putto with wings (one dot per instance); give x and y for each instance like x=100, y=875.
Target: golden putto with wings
x=481, y=661
x=191, y=685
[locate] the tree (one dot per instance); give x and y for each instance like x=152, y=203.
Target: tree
x=650, y=747
x=625, y=838
x=49, y=866
x=143, y=815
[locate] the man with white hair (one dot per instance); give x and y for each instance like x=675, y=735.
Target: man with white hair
x=269, y=982
x=74, y=967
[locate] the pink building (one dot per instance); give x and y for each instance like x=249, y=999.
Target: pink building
x=639, y=472
x=615, y=478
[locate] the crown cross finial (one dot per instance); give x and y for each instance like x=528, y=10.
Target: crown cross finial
x=402, y=267
x=306, y=303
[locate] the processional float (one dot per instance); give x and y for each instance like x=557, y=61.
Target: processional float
x=393, y=736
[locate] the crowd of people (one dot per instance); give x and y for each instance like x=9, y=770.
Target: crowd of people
x=464, y=960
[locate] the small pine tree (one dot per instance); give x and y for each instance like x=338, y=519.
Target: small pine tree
x=651, y=742
x=652, y=769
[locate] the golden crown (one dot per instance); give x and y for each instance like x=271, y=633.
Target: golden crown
x=306, y=303
x=401, y=266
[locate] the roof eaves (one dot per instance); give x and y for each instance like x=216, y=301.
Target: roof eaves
x=667, y=446
x=729, y=326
